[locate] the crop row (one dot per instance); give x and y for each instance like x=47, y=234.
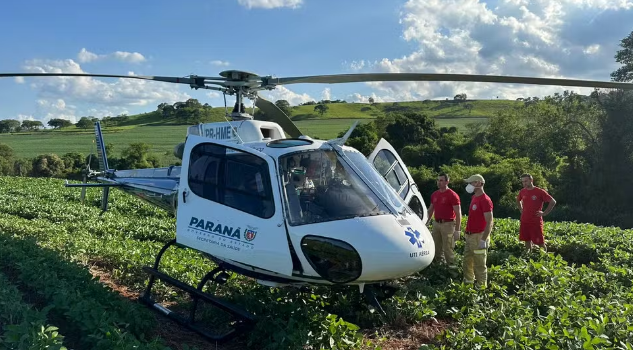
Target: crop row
x=578, y=295
x=102, y=318
x=102, y=240
x=21, y=325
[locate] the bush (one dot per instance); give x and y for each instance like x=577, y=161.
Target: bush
x=48, y=165
x=503, y=182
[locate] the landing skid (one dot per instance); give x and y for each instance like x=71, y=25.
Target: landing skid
x=374, y=294
x=245, y=320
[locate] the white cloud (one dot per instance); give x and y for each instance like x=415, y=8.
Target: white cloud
x=540, y=38
x=270, y=4
x=358, y=65
x=326, y=94
x=591, y=49
x=23, y=117
x=220, y=63
x=85, y=56
x=19, y=80
x=359, y=98
x=90, y=96
x=214, y=94
x=282, y=93
x=132, y=57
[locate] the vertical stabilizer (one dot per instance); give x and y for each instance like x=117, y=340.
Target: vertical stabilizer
x=101, y=152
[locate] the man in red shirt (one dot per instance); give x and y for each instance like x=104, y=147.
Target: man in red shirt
x=530, y=200
x=478, y=229
x=445, y=204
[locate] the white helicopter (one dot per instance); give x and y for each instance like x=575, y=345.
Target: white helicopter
x=285, y=211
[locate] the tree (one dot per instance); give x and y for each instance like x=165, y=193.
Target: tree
x=364, y=138
x=32, y=124
x=9, y=125
x=321, y=109
x=460, y=97
x=59, y=123
x=6, y=151
x=371, y=100
x=137, y=156
x=284, y=106
x=625, y=57
x=86, y=122
x=48, y=165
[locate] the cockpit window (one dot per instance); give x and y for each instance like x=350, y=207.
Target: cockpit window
x=377, y=181
x=319, y=186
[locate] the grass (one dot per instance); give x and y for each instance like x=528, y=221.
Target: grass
x=576, y=296
x=432, y=108
x=162, y=138
x=163, y=134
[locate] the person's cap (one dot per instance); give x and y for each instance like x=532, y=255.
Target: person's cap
x=474, y=178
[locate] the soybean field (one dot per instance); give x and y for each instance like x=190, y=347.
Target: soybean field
x=70, y=279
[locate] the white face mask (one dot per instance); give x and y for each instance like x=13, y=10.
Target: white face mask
x=470, y=188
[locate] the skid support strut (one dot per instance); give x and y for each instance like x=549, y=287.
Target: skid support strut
x=245, y=320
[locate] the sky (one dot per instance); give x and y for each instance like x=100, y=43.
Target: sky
x=540, y=38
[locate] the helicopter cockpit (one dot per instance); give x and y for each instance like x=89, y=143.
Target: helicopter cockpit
x=320, y=185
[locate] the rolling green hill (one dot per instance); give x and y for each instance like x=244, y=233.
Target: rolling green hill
x=163, y=134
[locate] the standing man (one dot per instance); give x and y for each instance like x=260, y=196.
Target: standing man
x=445, y=204
x=478, y=229
x=530, y=201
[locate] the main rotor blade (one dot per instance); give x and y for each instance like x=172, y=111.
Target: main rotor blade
x=366, y=77
x=278, y=116
x=193, y=80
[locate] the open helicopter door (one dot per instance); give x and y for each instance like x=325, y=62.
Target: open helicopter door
x=229, y=205
x=389, y=164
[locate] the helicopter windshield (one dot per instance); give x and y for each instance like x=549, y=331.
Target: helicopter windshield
x=373, y=177
x=319, y=186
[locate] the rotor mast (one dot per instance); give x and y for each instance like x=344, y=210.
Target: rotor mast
x=243, y=85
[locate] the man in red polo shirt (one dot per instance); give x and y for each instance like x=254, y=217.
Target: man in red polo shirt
x=530, y=200
x=478, y=229
x=445, y=204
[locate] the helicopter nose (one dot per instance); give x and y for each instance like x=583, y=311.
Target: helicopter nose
x=398, y=251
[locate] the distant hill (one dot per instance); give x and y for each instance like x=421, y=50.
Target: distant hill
x=439, y=109
x=164, y=133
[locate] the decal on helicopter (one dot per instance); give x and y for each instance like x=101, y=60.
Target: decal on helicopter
x=217, y=229
x=220, y=133
x=414, y=237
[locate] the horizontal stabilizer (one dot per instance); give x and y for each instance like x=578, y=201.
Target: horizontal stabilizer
x=92, y=185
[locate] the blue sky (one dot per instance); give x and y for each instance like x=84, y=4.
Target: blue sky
x=566, y=38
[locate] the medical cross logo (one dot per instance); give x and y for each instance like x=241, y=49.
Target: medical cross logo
x=414, y=236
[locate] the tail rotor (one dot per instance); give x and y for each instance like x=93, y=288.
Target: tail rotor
x=85, y=172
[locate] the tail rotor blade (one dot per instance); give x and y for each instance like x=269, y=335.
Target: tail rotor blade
x=86, y=172
x=278, y=116
x=104, y=200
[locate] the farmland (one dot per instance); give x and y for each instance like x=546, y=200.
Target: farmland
x=69, y=277
x=163, y=134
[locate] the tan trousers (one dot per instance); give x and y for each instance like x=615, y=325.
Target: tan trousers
x=444, y=243
x=475, y=260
